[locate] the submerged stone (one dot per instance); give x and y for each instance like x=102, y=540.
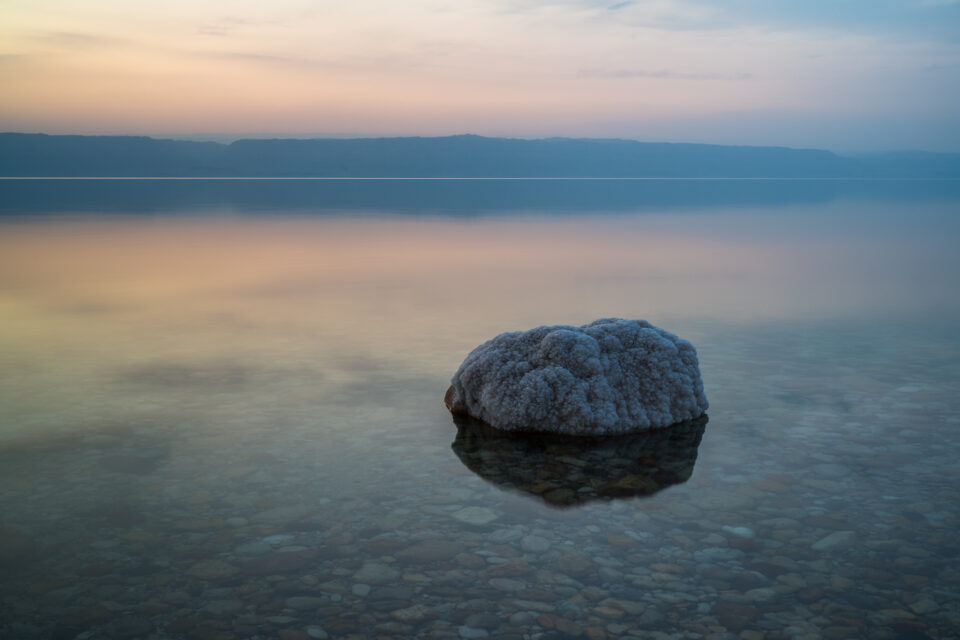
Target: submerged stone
x=611, y=376
x=566, y=471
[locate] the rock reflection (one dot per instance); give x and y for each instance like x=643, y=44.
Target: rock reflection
x=566, y=471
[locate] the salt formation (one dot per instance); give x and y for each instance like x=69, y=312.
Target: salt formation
x=611, y=376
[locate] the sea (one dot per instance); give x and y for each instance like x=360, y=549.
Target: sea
x=221, y=411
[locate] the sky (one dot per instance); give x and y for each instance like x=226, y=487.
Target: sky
x=845, y=75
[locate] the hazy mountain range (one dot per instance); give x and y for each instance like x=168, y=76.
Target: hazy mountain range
x=463, y=156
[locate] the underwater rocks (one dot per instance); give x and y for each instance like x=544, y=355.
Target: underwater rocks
x=611, y=376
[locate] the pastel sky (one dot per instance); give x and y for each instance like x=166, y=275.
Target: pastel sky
x=847, y=75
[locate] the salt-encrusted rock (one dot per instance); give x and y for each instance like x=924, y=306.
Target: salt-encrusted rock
x=611, y=376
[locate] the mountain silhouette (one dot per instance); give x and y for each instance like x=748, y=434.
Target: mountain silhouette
x=462, y=156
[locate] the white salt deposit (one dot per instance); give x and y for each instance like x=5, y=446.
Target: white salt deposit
x=607, y=377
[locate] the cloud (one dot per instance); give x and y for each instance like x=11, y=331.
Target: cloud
x=661, y=74
x=669, y=15
x=243, y=57
x=223, y=27
x=933, y=18
x=74, y=40
x=213, y=30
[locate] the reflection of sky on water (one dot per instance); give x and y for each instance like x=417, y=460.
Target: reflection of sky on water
x=334, y=307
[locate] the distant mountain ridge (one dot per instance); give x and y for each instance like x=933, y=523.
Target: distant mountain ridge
x=462, y=156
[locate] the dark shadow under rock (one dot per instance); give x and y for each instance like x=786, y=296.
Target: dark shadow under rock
x=566, y=471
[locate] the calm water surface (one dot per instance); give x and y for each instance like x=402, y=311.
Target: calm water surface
x=221, y=416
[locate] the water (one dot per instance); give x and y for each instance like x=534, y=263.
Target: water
x=221, y=416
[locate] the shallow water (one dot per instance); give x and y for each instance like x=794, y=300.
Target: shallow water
x=221, y=416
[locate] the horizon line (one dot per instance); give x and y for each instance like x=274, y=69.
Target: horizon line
x=455, y=178
x=230, y=138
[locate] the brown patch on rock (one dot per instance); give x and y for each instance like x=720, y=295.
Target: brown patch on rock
x=594, y=633
x=470, y=560
x=412, y=615
x=448, y=402
x=629, y=485
x=576, y=565
x=547, y=621
x=509, y=569
x=735, y=616
x=810, y=594
x=609, y=612
x=340, y=626
x=621, y=542
x=568, y=627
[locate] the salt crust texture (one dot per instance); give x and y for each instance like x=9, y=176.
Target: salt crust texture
x=611, y=376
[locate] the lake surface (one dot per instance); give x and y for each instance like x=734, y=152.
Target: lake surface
x=221, y=411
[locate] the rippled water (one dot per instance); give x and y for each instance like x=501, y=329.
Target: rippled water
x=221, y=411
